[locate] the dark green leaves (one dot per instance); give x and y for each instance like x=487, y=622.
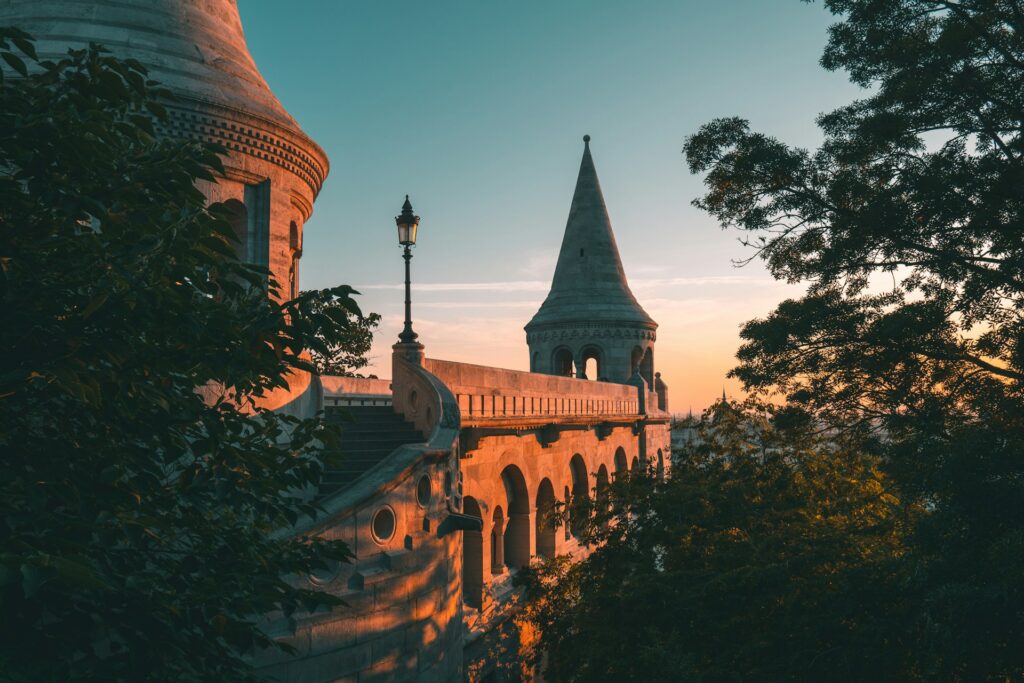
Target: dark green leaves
x=907, y=224
x=138, y=538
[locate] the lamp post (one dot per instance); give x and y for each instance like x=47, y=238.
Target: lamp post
x=407, y=223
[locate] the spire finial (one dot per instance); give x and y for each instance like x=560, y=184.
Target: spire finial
x=586, y=141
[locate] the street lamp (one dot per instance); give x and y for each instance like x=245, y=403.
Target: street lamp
x=407, y=223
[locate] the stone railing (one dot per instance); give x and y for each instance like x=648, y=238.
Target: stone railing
x=356, y=391
x=488, y=393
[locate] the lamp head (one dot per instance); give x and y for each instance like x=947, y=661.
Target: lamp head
x=407, y=223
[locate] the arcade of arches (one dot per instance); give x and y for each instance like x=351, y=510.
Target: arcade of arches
x=512, y=483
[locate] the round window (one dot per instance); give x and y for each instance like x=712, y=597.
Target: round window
x=414, y=399
x=383, y=525
x=423, y=491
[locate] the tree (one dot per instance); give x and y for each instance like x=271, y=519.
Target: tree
x=346, y=354
x=908, y=226
x=764, y=557
x=145, y=529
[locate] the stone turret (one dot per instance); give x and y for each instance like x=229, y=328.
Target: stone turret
x=590, y=313
x=196, y=48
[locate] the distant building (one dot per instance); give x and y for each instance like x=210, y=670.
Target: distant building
x=450, y=467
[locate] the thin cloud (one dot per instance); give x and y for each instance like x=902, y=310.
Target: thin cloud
x=543, y=285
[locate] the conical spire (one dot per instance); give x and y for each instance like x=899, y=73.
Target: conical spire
x=589, y=283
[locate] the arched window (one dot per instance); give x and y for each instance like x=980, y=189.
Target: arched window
x=472, y=557
x=561, y=362
x=602, y=488
x=517, y=533
x=620, y=462
x=238, y=218
x=546, y=522
x=580, y=493
x=590, y=356
x=634, y=359
x=647, y=368
x=634, y=467
x=497, y=541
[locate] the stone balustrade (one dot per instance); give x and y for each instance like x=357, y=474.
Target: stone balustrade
x=495, y=393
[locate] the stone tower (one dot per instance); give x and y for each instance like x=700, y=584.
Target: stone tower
x=590, y=312
x=196, y=49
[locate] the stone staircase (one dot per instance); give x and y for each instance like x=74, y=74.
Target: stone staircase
x=368, y=435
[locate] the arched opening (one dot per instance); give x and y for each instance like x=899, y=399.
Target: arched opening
x=647, y=368
x=635, y=357
x=634, y=467
x=561, y=362
x=517, y=532
x=238, y=219
x=497, y=541
x=661, y=466
x=590, y=358
x=472, y=557
x=580, y=493
x=602, y=488
x=546, y=522
x=620, y=462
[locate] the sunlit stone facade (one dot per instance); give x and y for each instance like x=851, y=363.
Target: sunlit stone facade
x=451, y=466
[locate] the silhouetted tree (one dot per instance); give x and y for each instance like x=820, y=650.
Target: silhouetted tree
x=871, y=529
x=764, y=557
x=907, y=226
x=145, y=530
x=347, y=352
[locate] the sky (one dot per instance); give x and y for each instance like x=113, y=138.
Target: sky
x=477, y=111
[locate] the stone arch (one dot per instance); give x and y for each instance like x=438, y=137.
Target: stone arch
x=621, y=466
x=601, y=488
x=497, y=541
x=561, y=362
x=238, y=219
x=546, y=523
x=580, y=492
x=517, y=532
x=588, y=353
x=472, y=557
x=661, y=466
x=635, y=357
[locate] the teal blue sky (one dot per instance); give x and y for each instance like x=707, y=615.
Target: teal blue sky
x=477, y=109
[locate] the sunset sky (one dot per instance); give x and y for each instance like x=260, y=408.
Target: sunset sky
x=477, y=110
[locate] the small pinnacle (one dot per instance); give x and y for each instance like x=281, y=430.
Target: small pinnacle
x=586, y=138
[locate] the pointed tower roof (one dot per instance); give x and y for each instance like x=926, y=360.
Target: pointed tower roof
x=589, y=283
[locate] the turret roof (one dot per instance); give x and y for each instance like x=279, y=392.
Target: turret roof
x=589, y=283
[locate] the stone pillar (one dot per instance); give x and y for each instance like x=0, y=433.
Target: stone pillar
x=662, y=390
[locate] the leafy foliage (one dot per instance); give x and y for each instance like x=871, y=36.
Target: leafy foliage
x=145, y=496
x=346, y=354
x=762, y=558
x=908, y=226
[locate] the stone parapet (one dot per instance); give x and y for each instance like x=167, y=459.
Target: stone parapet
x=485, y=393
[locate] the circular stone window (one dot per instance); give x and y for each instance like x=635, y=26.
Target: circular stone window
x=383, y=525
x=423, y=491
x=414, y=399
